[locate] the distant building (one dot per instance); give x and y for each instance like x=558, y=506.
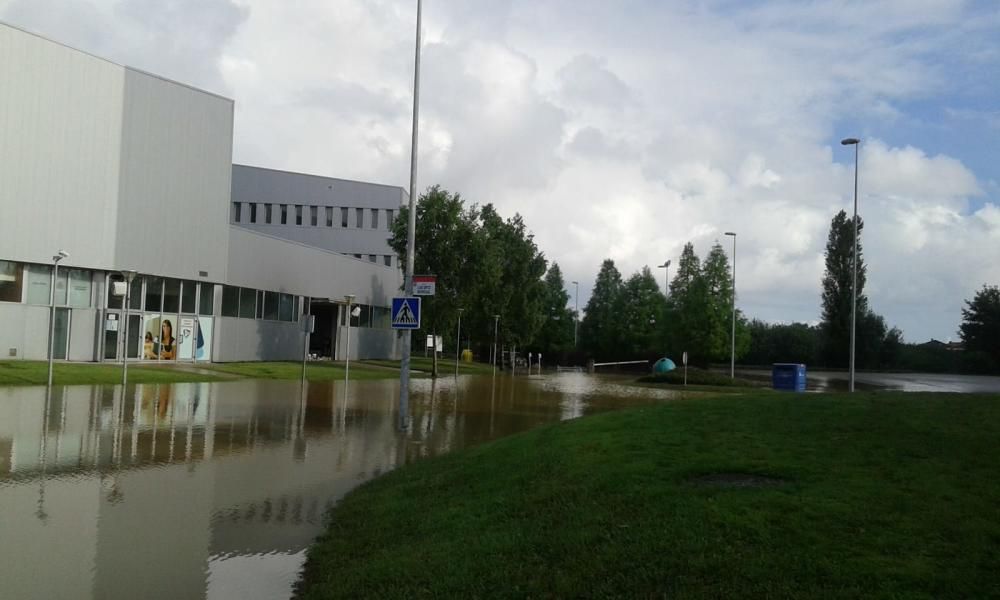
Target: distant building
x=125, y=170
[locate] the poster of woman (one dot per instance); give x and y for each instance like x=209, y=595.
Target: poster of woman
x=159, y=342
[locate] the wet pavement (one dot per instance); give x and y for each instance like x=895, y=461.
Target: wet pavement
x=837, y=381
x=215, y=490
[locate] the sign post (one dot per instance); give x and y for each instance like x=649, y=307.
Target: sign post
x=684, y=359
x=424, y=285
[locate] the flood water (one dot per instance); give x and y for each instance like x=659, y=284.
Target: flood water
x=837, y=381
x=215, y=490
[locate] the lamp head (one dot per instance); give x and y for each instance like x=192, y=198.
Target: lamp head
x=732, y=233
x=350, y=298
x=60, y=255
x=849, y=141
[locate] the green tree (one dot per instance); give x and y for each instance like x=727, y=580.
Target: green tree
x=837, y=282
x=555, y=338
x=600, y=330
x=980, y=328
x=641, y=307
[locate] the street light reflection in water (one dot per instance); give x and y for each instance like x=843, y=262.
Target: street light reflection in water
x=215, y=490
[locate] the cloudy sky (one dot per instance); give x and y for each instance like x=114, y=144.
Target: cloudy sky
x=626, y=128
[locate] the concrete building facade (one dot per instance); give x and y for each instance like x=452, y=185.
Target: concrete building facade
x=127, y=171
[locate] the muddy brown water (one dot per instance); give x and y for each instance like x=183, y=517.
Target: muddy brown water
x=215, y=490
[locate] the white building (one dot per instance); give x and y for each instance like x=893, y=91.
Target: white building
x=125, y=170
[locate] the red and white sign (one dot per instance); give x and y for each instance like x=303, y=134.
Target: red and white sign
x=423, y=285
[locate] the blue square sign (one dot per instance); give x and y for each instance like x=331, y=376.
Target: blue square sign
x=406, y=313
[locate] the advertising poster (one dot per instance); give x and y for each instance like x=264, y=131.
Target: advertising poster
x=158, y=338
x=185, y=337
x=204, y=347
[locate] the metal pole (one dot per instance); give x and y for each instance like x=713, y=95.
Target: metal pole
x=347, y=365
x=411, y=228
x=128, y=292
x=732, y=357
x=496, y=322
x=52, y=314
x=576, y=310
x=854, y=267
x=458, y=340
x=305, y=338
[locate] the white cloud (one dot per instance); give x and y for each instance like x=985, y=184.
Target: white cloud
x=615, y=131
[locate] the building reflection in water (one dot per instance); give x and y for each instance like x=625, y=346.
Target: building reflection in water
x=164, y=490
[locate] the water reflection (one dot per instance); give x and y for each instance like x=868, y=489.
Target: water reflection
x=216, y=489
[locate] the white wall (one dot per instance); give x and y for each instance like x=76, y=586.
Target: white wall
x=60, y=132
x=175, y=179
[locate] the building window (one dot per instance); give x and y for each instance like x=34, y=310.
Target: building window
x=388, y=260
x=388, y=218
x=313, y=215
x=236, y=212
x=359, y=217
x=343, y=217
x=285, y=309
x=271, y=306
x=187, y=296
x=372, y=258
x=267, y=214
x=230, y=301
x=206, y=299
x=39, y=282
x=260, y=304
x=171, y=296
x=298, y=214
x=154, y=293
x=248, y=303
x=357, y=256
x=135, y=295
x=11, y=276
x=284, y=214
x=374, y=218
x=253, y=212
x=79, y=287
x=329, y=216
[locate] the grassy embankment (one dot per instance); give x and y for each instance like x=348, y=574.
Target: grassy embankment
x=878, y=495
x=22, y=372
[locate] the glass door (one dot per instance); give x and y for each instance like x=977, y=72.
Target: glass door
x=60, y=344
x=134, y=333
x=112, y=325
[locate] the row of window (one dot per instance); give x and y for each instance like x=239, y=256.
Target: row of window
x=30, y=283
x=163, y=295
x=376, y=317
x=247, y=303
x=386, y=258
x=299, y=214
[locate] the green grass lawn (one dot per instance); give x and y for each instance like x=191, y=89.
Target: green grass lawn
x=886, y=495
x=26, y=372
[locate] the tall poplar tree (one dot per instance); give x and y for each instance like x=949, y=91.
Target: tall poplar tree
x=600, y=330
x=835, y=324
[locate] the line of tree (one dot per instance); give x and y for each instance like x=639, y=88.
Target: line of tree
x=485, y=266
x=632, y=319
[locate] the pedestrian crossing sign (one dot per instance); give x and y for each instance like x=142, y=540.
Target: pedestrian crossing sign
x=406, y=313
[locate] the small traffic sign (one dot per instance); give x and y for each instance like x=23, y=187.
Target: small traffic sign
x=423, y=285
x=406, y=313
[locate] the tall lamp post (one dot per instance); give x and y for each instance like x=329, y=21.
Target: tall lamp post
x=458, y=340
x=128, y=276
x=576, y=310
x=496, y=323
x=52, y=307
x=854, y=257
x=666, y=277
x=347, y=365
x=411, y=228
x=732, y=354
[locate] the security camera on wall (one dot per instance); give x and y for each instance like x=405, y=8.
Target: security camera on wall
x=356, y=311
x=118, y=288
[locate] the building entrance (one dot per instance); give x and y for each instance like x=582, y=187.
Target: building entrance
x=324, y=337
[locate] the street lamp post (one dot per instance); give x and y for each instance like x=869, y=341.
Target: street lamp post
x=52, y=307
x=854, y=257
x=128, y=276
x=496, y=323
x=411, y=228
x=347, y=353
x=732, y=355
x=576, y=310
x=666, y=277
x=458, y=340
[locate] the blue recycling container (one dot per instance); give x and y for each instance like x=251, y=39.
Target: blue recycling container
x=789, y=376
